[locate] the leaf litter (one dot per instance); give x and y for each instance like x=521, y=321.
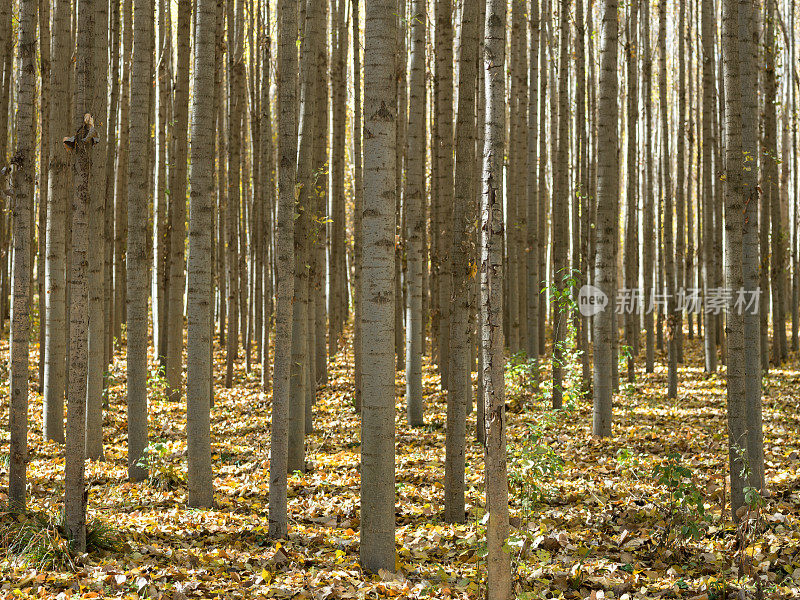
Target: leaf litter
x=590, y=519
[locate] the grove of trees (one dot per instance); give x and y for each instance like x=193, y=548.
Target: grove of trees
x=205, y=188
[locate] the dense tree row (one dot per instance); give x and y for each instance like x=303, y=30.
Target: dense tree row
x=462, y=182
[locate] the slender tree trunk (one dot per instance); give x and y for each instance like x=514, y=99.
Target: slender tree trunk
x=320, y=354
x=201, y=231
x=462, y=256
x=415, y=223
x=256, y=212
x=795, y=251
x=358, y=204
x=121, y=192
x=515, y=178
x=607, y=197
x=336, y=273
x=235, y=111
x=766, y=179
x=666, y=193
x=544, y=40
x=160, y=220
x=709, y=319
x=6, y=68
x=136, y=258
x=734, y=200
x=222, y=173
x=110, y=179
x=680, y=188
x=491, y=274
x=177, y=204
x=287, y=166
x=400, y=203
x=22, y=201
x=300, y=357
x=257, y=248
x=582, y=192
x=377, y=289
x=748, y=59
x=55, y=275
x=6, y=51
x=85, y=136
x=267, y=190
x=97, y=209
x=771, y=186
x=648, y=224
x=44, y=152
x=689, y=280
x=532, y=206
x=560, y=218
x=632, y=187
x=719, y=150
x=445, y=189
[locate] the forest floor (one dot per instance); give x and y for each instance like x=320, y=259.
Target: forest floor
x=615, y=518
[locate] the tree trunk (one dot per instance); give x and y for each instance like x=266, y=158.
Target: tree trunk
x=415, y=223
x=734, y=327
x=680, y=188
x=121, y=191
x=44, y=152
x=648, y=224
x=560, y=215
x=444, y=177
x=516, y=176
x=582, y=192
x=97, y=209
x=532, y=205
x=201, y=231
x=336, y=273
x=631, y=209
x=771, y=188
x=300, y=356
x=377, y=289
x=666, y=193
x=222, y=173
x=235, y=110
x=6, y=52
x=287, y=165
x=6, y=67
x=321, y=188
x=267, y=190
x=177, y=204
x=462, y=255
x=137, y=256
x=709, y=319
x=110, y=179
x=607, y=198
x=491, y=274
x=748, y=59
x=544, y=40
x=22, y=186
x=84, y=140
x=160, y=218
x=58, y=182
